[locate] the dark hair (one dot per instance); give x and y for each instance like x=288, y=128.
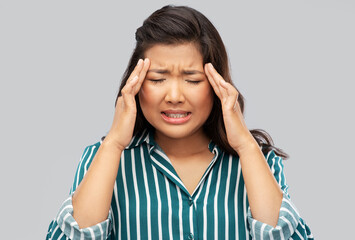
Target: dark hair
x=181, y=24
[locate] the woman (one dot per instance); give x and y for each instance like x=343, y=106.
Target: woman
x=179, y=161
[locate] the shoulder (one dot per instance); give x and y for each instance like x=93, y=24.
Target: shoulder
x=276, y=165
x=270, y=155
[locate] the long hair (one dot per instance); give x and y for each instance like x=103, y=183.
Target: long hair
x=181, y=24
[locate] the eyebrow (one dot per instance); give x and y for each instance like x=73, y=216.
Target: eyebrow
x=184, y=72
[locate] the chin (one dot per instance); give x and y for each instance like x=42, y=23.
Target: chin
x=176, y=132
x=173, y=135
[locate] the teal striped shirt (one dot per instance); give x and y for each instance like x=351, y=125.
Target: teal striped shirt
x=151, y=202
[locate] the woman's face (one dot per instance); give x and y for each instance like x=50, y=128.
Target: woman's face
x=176, y=97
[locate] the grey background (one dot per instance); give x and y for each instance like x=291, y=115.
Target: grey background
x=60, y=67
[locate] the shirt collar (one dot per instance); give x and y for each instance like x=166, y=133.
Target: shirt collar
x=213, y=148
x=141, y=137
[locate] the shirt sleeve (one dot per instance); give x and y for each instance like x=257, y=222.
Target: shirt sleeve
x=290, y=225
x=64, y=226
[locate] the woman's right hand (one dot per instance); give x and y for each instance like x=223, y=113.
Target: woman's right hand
x=121, y=131
x=92, y=198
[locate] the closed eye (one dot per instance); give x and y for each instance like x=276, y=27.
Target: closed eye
x=156, y=80
x=193, y=81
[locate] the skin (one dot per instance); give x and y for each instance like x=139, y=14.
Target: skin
x=182, y=86
x=176, y=90
x=187, y=147
x=264, y=193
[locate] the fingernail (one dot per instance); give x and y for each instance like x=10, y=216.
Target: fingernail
x=146, y=60
x=211, y=65
x=139, y=61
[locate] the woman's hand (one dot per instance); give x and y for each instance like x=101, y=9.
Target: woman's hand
x=92, y=198
x=264, y=193
x=238, y=134
x=121, y=131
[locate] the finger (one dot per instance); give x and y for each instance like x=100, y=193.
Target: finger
x=231, y=90
x=142, y=74
x=136, y=70
x=131, y=81
x=128, y=101
x=127, y=91
x=217, y=79
x=216, y=76
x=223, y=90
x=212, y=80
x=133, y=86
x=128, y=88
x=232, y=95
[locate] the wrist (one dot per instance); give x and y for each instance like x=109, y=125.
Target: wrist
x=111, y=143
x=248, y=147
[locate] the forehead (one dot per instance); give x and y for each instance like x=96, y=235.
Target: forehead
x=163, y=55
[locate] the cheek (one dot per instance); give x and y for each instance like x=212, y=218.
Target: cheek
x=204, y=97
x=147, y=96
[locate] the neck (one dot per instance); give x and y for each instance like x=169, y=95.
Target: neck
x=183, y=147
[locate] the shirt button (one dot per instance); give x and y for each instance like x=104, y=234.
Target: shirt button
x=191, y=202
x=191, y=236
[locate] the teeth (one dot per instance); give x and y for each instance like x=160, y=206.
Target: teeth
x=175, y=115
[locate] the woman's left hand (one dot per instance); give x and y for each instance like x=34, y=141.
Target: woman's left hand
x=238, y=134
x=264, y=193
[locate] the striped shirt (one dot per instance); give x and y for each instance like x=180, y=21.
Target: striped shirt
x=151, y=202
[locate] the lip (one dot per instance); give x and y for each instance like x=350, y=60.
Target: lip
x=171, y=120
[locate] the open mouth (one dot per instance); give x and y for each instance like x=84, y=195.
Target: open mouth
x=176, y=115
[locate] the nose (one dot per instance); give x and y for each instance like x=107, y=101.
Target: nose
x=174, y=93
